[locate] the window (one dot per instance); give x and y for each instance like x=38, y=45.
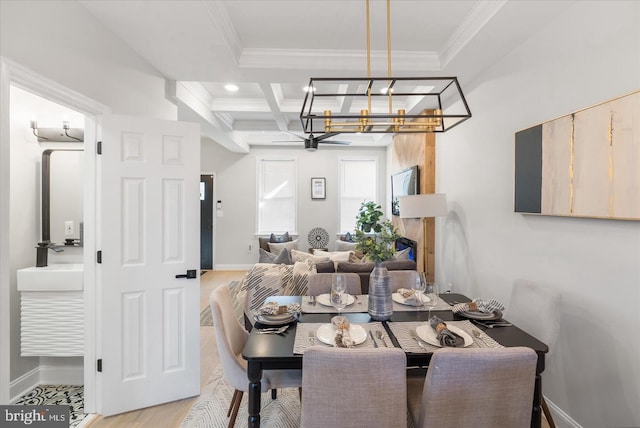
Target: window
x=277, y=178
x=358, y=183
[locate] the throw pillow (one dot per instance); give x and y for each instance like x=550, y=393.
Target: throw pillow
x=283, y=257
x=345, y=246
x=347, y=237
x=282, y=238
x=402, y=254
x=299, y=285
x=238, y=304
x=276, y=248
x=356, y=258
x=300, y=256
x=262, y=280
x=334, y=256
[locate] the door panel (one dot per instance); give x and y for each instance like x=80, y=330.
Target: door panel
x=148, y=235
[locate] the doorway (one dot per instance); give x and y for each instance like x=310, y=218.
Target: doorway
x=206, y=221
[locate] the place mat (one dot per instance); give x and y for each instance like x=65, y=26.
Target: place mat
x=303, y=341
x=361, y=305
x=441, y=305
x=402, y=332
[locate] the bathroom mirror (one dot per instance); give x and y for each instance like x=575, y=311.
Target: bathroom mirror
x=62, y=195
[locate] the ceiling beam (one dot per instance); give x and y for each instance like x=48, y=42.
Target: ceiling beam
x=273, y=95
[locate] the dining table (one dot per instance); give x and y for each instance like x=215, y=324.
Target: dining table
x=285, y=350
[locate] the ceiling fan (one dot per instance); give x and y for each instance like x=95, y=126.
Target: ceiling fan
x=311, y=142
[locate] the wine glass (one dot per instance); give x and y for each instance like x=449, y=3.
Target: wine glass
x=418, y=286
x=431, y=291
x=338, y=295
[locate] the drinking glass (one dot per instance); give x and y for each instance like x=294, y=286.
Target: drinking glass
x=338, y=295
x=431, y=291
x=419, y=284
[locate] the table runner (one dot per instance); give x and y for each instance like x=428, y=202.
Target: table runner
x=402, y=332
x=302, y=341
x=362, y=304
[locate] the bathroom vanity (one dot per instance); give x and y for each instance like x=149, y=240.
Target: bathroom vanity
x=52, y=310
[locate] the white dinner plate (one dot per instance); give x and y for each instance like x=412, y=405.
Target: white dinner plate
x=398, y=298
x=279, y=319
x=325, y=300
x=428, y=334
x=477, y=315
x=327, y=333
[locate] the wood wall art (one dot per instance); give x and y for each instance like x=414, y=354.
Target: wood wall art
x=584, y=164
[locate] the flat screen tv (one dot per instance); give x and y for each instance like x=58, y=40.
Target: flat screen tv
x=403, y=183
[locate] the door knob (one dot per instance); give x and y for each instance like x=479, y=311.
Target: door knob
x=191, y=274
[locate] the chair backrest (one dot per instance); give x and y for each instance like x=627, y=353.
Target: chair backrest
x=536, y=310
x=480, y=388
x=230, y=338
x=354, y=388
x=320, y=283
x=401, y=279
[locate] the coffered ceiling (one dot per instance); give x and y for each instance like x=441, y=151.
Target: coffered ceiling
x=270, y=49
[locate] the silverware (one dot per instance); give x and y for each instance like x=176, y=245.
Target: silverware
x=479, y=337
x=312, y=300
x=492, y=324
x=375, y=344
x=273, y=330
x=312, y=337
x=414, y=334
x=380, y=336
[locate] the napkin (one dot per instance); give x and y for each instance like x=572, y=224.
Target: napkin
x=486, y=306
x=410, y=297
x=343, y=339
x=273, y=308
x=445, y=336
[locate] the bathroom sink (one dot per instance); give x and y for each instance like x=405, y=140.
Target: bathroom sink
x=55, y=277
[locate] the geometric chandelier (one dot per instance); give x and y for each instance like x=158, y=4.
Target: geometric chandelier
x=380, y=105
x=383, y=104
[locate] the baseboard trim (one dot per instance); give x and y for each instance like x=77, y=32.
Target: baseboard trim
x=45, y=375
x=233, y=267
x=561, y=419
x=24, y=384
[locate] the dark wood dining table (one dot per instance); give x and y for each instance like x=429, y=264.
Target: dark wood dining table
x=275, y=352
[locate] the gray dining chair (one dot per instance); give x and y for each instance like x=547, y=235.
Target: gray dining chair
x=480, y=388
x=320, y=283
x=401, y=279
x=230, y=339
x=536, y=310
x=354, y=388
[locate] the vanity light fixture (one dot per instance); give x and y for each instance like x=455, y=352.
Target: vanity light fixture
x=65, y=134
x=383, y=104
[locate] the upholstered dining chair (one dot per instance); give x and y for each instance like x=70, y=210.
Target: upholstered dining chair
x=320, y=283
x=354, y=388
x=401, y=279
x=230, y=339
x=536, y=310
x=480, y=388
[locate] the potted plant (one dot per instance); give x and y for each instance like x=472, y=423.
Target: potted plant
x=376, y=238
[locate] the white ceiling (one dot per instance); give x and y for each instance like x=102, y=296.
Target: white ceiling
x=270, y=49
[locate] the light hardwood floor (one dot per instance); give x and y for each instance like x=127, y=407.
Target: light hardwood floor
x=171, y=415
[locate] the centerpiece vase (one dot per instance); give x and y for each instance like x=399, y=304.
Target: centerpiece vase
x=380, y=303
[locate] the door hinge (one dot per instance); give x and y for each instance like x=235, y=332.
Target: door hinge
x=99, y=365
x=99, y=148
x=99, y=257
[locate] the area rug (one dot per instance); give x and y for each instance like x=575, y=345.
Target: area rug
x=210, y=410
x=71, y=395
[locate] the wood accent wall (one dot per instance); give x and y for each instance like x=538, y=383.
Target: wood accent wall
x=409, y=150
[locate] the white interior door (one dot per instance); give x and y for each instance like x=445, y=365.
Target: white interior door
x=149, y=233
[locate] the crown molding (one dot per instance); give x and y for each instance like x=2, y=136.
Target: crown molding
x=223, y=24
x=477, y=18
x=327, y=59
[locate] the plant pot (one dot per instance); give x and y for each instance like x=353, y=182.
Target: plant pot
x=380, y=303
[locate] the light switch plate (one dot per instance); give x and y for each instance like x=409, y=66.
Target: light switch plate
x=68, y=228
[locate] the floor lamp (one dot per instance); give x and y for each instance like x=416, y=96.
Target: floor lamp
x=423, y=206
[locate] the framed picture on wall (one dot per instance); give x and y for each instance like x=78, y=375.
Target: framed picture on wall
x=318, y=188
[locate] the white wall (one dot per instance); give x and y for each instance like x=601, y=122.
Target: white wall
x=588, y=55
x=236, y=188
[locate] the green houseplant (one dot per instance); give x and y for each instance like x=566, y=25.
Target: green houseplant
x=376, y=239
x=373, y=236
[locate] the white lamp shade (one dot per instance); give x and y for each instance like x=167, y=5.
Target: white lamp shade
x=421, y=206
